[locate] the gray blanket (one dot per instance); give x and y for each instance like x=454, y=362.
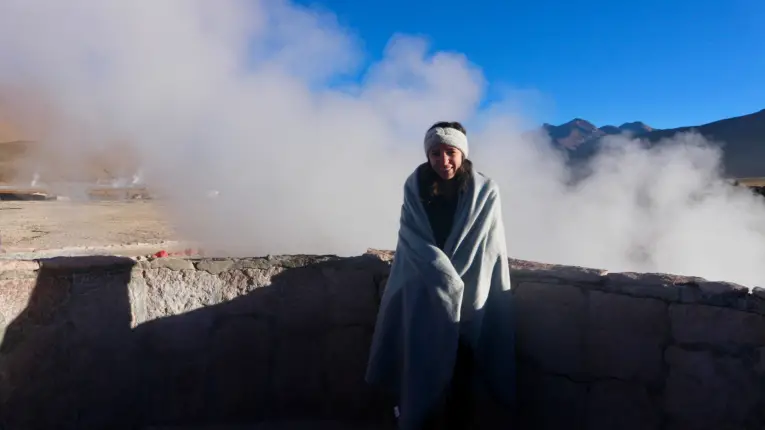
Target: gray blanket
x=433, y=297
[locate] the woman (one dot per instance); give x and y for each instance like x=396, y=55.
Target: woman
x=444, y=324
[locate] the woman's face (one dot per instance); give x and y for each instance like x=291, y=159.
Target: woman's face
x=445, y=160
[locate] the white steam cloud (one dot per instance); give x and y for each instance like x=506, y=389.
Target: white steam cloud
x=250, y=98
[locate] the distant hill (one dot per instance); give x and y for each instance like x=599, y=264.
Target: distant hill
x=742, y=139
x=21, y=161
x=10, y=154
x=577, y=132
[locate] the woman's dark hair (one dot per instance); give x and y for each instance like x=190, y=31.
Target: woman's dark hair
x=429, y=179
x=449, y=124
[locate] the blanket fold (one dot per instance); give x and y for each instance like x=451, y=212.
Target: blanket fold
x=433, y=297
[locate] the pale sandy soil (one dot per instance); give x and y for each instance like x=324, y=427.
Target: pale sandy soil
x=136, y=227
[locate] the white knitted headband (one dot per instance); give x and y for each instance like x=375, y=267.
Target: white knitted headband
x=446, y=136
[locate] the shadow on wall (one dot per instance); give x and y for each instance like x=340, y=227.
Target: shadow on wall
x=67, y=359
x=111, y=343
x=291, y=343
x=99, y=346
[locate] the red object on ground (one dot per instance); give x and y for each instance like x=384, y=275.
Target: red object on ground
x=187, y=252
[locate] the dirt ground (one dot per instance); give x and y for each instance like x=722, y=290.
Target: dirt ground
x=134, y=226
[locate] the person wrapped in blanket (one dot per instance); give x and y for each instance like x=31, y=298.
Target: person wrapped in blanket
x=444, y=329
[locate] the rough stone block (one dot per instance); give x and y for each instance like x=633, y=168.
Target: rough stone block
x=168, y=291
x=138, y=292
x=718, y=326
x=214, y=266
x=748, y=303
x=621, y=405
x=253, y=263
x=302, y=300
x=238, y=371
x=550, y=326
x=3, y=326
x=99, y=307
x=34, y=376
x=351, y=296
x=20, y=367
x=173, y=360
x=18, y=269
x=186, y=334
x=235, y=284
x=28, y=303
x=653, y=285
x=381, y=254
x=288, y=337
x=247, y=292
x=345, y=361
x=19, y=265
x=626, y=337
x=551, y=402
x=169, y=263
x=705, y=391
x=14, y=297
x=172, y=388
x=87, y=263
x=710, y=288
x=725, y=294
x=45, y=360
x=522, y=271
x=263, y=277
x=298, y=376
x=297, y=261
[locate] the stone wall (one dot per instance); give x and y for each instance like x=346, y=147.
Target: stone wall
x=639, y=351
x=110, y=342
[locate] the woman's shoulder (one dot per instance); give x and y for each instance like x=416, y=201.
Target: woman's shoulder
x=415, y=178
x=417, y=174
x=485, y=181
x=421, y=170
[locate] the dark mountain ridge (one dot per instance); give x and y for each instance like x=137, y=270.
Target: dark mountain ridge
x=742, y=139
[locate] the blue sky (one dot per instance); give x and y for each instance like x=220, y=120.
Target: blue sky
x=668, y=63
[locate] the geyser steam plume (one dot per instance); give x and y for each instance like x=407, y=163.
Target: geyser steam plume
x=253, y=99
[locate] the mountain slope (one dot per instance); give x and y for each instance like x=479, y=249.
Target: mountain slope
x=578, y=132
x=742, y=139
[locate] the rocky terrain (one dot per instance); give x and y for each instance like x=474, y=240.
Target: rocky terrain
x=75, y=228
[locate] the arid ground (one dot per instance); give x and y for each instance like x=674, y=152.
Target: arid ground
x=130, y=227
x=752, y=182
